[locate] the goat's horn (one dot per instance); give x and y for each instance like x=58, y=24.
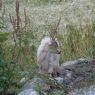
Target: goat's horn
x=58, y=23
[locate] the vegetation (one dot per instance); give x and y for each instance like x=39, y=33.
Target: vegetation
x=22, y=27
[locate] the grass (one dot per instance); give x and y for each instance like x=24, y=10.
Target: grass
x=42, y=16
x=76, y=31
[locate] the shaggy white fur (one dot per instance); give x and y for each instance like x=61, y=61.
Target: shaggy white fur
x=48, y=62
x=44, y=45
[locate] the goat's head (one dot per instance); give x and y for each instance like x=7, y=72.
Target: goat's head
x=51, y=45
x=54, y=44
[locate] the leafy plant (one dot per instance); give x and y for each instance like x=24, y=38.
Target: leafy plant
x=3, y=37
x=7, y=68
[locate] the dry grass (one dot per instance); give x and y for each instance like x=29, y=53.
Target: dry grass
x=78, y=14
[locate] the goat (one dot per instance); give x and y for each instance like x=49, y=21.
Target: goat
x=48, y=55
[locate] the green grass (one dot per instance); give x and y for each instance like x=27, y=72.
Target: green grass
x=74, y=14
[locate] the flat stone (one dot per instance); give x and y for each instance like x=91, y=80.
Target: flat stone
x=28, y=92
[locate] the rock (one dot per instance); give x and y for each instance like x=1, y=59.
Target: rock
x=28, y=92
x=32, y=84
x=59, y=80
x=23, y=80
x=78, y=70
x=31, y=87
x=72, y=74
x=69, y=63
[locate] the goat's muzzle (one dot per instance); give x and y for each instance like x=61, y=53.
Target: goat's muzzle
x=58, y=51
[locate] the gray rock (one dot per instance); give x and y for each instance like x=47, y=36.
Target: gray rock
x=78, y=70
x=72, y=74
x=32, y=84
x=23, y=80
x=69, y=63
x=59, y=80
x=28, y=92
x=30, y=87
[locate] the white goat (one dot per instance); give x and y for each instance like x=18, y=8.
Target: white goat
x=48, y=55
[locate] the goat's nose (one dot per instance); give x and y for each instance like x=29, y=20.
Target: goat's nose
x=59, y=51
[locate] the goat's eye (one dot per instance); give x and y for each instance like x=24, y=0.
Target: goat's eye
x=55, y=44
